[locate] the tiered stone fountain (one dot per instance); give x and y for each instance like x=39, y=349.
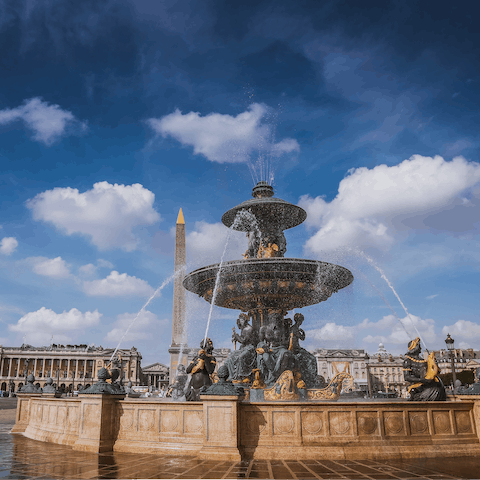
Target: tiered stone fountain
x=265, y=285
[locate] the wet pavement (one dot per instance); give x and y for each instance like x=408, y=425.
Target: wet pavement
x=21, y=458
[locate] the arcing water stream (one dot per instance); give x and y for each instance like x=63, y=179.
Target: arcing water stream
x=382, y=274
x=387, y=303
x=242, y=216
x=157, y=291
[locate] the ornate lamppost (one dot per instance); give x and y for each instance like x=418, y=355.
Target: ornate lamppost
x=369, y=379
x=451, y=349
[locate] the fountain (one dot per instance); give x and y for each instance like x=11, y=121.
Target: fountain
x=269, y=402
x=265, y=285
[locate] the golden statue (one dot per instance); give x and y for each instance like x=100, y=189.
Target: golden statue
x=268, y=252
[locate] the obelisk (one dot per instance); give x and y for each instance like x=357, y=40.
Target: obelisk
x=179, y=338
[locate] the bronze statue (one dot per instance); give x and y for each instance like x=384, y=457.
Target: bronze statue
x=253, y=245
x=241, y=362
x=201, y=367
x=306, y=361
x=273, y=355
x=422, y=374
x=177, y=390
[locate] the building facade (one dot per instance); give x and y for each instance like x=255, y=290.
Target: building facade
x=385, y=373
x=69, y=365
x=377, y=372
x=333, y=361
x=156, y=376
x=464, y=359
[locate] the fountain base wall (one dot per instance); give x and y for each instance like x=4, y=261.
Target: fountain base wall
x=228, y=429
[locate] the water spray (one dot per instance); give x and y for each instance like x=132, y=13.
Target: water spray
x=382, y=274
x=244, y=216
x=386, y=303
x=157, y=291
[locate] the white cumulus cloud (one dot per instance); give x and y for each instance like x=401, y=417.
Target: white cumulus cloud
x=48, y=122
x=8, y=245
x=399, y=331
x=117, y=284
x=224, y=138
x=107, y=214
x=90, y=269
x=49, y=267
x=372, y=204
x=333, y=333
x=206, y=243
x=146, y=325
x=40, y=325
x=465, y=332
x=393, y=332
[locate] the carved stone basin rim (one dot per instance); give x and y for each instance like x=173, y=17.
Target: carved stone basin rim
x=270, y=282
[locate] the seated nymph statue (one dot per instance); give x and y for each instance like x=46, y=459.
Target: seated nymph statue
x=425, y=386
x=306, y=361
x=241, y=362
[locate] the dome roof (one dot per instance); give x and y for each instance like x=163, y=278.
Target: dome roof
x=381, y=350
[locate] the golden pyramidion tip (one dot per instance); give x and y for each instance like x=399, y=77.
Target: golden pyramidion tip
x=180, y=218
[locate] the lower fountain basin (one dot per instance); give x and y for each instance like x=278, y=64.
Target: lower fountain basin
x=279, y=283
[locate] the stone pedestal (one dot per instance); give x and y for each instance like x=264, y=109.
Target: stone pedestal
x=221, y=439
x=23, y=411
x=98, y=423
x=476, y=408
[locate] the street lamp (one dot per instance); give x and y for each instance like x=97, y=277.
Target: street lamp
x=450, y=347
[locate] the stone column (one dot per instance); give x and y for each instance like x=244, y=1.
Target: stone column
x=98, y=422
x=10, y=362
x=221, y=436
x=76, y=368
x=84, y=369
x=2, y=364
x=178, y=318
x=52, y=361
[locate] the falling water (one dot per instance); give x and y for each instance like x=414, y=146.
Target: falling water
x=382, y=274
x=157, y=291
x=387, y=304
x=245, y=217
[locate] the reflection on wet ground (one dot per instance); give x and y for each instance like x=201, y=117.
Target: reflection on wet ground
x=22, y=458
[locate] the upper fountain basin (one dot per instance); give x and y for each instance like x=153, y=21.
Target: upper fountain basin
x=270, y=213
x=274, y=212
x=280, y=283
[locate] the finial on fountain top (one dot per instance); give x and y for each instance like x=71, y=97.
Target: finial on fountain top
x=262, y=189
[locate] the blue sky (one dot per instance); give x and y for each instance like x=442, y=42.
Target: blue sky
x=114, y=114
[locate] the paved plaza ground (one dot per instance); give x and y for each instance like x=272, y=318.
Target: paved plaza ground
x=21, y=458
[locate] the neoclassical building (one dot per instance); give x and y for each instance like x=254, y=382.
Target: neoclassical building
x=69, y=365
x=333, y=361
x=372, y=373
x=463, y=358
x=385, y=372
x=156, y=375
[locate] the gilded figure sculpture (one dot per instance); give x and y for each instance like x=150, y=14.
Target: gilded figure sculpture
x=201, y=368
x=425, y=384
